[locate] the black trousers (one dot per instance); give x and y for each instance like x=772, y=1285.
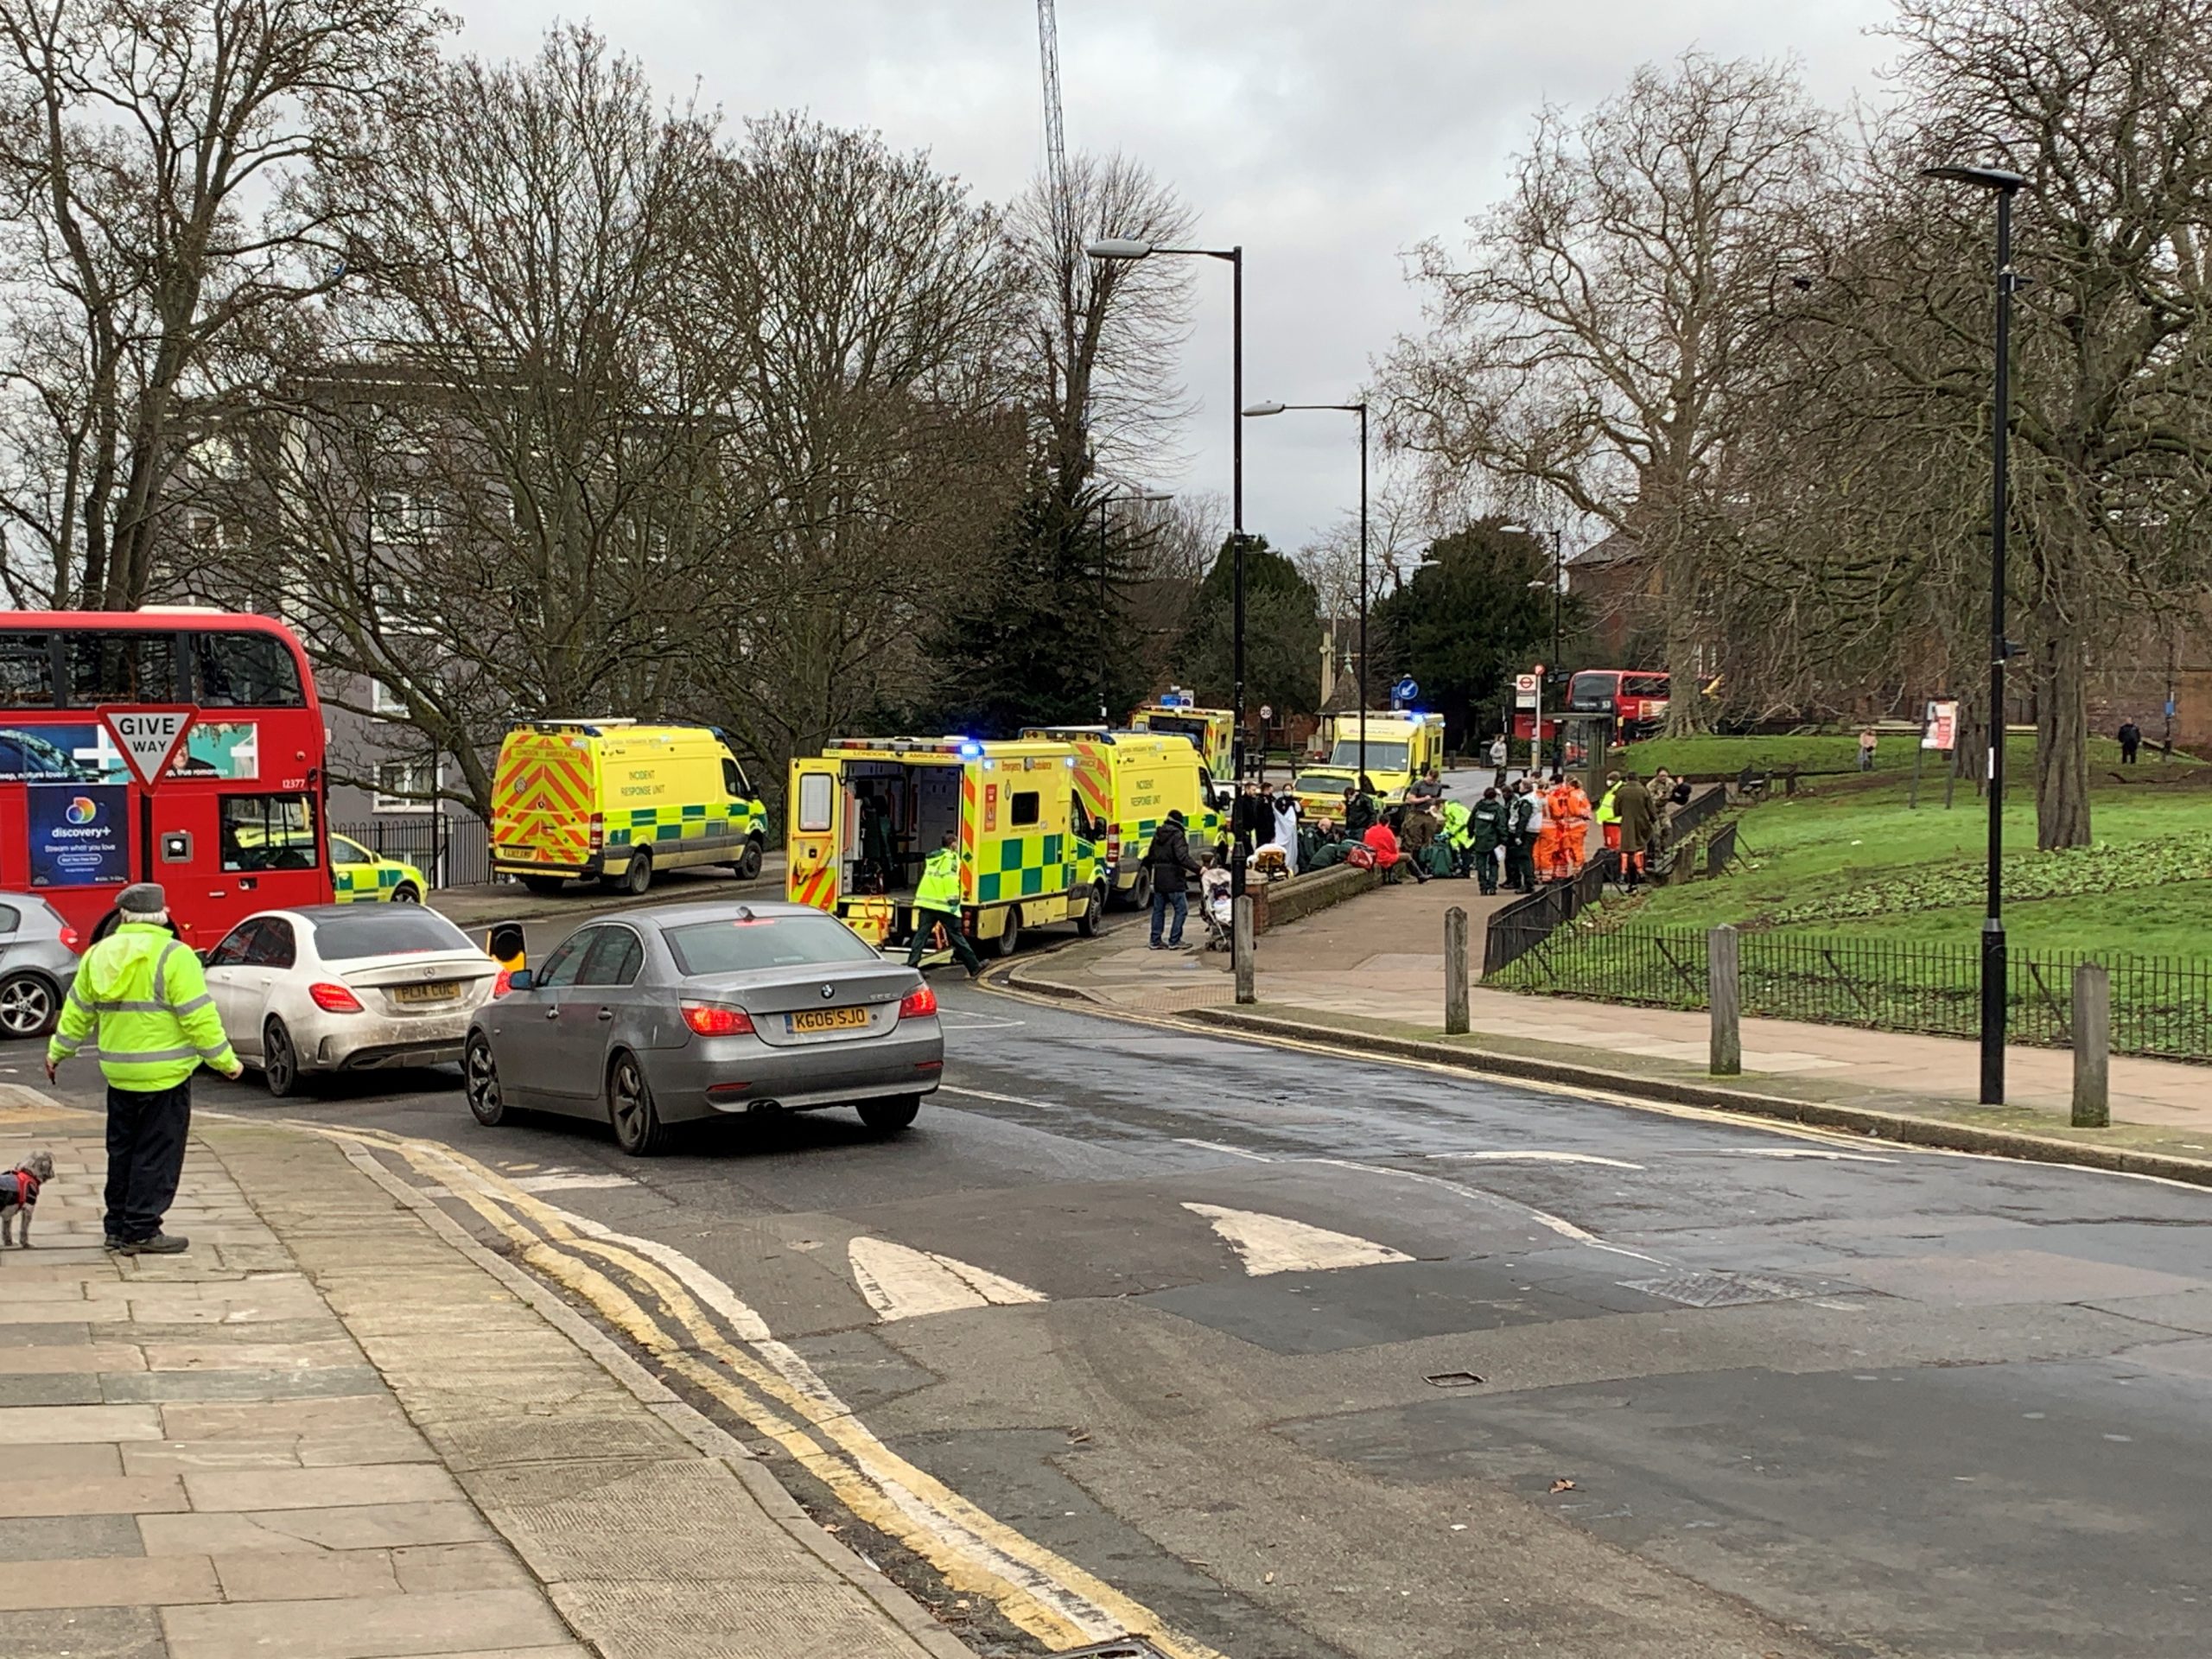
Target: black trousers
x=146, y=1131
x=925, y=923
x=1521, y=864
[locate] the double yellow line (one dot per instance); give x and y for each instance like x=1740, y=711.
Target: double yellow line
x=687, y=1332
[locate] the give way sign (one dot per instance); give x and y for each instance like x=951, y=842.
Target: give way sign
x=149, y=734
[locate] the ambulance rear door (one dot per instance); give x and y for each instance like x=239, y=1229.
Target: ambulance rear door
x=820, y=826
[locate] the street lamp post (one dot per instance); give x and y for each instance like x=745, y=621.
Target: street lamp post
x=2004, y=186
x=1105, y=501
x=1258, y=410
x=1993, y=952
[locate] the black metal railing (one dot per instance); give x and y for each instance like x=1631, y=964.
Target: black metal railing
x=1692, y=816
x=451, y=852
x=2161, y=1006
x=1521, y=927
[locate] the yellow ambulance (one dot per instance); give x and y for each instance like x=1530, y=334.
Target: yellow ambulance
x=1400, y=748
x=1130, y=781
x=618, y=801
x=868, y=812
x=1213, y=732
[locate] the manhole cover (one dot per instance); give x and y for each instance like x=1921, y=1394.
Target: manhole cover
x=1722, y=1289
x=1127, y=1647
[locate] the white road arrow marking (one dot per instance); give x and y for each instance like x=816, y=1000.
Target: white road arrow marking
x=901, y=1282
x=1269, y=1244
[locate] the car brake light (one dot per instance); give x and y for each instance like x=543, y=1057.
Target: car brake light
x=597, y=832
x=712, y=1019
x=69, y=938
x=333, y=999
x=918, y=1001
x=503, y=983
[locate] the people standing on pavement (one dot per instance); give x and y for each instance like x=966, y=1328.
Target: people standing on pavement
x=1286, y=829
x=1360, y=814
x=1608, y=817
x=1416, y=835
x=1638, y=822
x=2131, y=740
x=1459, y=832
x=1525, y=822
x=1172, y=866
x=1492, y=834
x=1567, y=825
x=1866, y=740
x=139, y=994
x=1499, y=753
x=936, y=904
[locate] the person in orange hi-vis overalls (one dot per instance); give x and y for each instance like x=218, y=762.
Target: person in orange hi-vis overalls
x=1567, y=818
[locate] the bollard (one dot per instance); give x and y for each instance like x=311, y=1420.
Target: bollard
x=1455, y=972
x=2092, y=1046
x=1241, y=943
x=1723, y=960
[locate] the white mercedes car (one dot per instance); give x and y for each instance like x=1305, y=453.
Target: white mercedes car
x=334, y=987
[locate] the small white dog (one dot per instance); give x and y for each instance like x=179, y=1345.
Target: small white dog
x=19, y=1194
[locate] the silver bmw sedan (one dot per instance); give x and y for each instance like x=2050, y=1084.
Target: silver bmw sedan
x=651, y=1018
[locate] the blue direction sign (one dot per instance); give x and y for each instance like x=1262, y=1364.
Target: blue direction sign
x=1406, y=689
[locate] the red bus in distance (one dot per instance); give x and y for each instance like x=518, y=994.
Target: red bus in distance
x=236, y=823
x=1635, y=698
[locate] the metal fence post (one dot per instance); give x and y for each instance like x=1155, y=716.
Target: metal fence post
x=1724, y=996
x=2092, y=1046
x=1241, y=943
x=1455, y=972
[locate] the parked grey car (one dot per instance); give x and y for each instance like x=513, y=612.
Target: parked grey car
x=651, y=1018
x=38, y=960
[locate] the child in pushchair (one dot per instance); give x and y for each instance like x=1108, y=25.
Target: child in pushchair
x=1214, y=903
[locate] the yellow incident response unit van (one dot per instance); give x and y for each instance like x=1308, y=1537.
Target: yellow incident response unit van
x=619, y=801
x=1212, y=733
x=1128, y=782
x=868, y=813
x=1400, y=748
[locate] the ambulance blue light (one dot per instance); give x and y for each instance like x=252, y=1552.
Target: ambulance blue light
x=970, y=750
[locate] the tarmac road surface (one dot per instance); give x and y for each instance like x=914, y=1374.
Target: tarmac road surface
x=1280, y=1353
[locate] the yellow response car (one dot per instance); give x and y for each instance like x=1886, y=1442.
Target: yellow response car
x=359, y=876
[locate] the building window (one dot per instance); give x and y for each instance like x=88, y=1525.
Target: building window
x=383, y=700
x=406, y=785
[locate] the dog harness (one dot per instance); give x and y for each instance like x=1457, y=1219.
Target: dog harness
x=26, y=1185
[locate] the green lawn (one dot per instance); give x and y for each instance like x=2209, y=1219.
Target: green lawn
x=1851, y=859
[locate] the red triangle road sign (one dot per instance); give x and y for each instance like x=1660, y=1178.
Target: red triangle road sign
x=149, y=733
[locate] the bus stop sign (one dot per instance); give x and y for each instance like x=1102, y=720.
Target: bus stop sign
x=148, y=734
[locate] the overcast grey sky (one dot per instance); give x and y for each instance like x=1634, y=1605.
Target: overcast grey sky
x=1327, y=136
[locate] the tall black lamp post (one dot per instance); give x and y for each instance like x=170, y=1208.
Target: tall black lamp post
x=1258, y=410
x=2004, y=186
x=1551, y=666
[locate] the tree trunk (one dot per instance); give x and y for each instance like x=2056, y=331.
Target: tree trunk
x=1686, y=713
x=2062, y=730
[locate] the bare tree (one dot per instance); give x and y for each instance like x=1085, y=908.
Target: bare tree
x=1608, y=338
x=153, y=156
x=2106, y=106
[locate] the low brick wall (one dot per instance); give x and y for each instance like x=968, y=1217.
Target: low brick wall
x=1275, y=903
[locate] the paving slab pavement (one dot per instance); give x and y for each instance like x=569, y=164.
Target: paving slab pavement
x=284, y=1443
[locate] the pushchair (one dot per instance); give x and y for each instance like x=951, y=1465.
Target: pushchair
x=1215, y=908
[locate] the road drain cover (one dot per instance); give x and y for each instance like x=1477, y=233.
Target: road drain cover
x=1723, y=1289
x=1127, y=1647
x=1451, y=1379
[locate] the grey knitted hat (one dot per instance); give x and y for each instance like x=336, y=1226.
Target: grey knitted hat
x=142, y=898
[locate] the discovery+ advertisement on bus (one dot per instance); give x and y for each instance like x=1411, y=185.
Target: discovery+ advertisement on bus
x=79, y=835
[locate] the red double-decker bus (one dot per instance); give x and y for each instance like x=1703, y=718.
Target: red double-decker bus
x=234, y=825
x=1635, y=698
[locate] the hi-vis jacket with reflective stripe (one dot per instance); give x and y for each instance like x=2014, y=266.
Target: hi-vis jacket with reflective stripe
x=143, y=994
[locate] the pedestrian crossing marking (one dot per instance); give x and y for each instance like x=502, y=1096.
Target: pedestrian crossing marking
x=1268, y=1244
x=901, y=1282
